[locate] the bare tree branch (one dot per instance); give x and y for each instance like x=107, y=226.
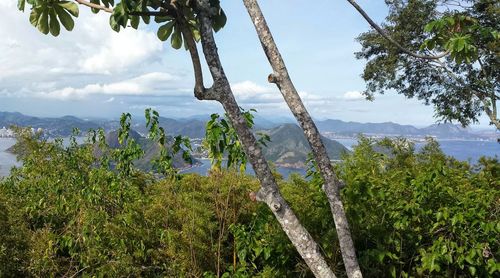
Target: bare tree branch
x=199, y=88
x=389, y=38
x=332, y=184
x=269, y=192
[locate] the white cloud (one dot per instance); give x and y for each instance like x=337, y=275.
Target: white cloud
x=111, y=99
x=250, y=91
x=353, y=96
x=249, y=88
x=91, y=48
x=146, y=84
x=116, y=52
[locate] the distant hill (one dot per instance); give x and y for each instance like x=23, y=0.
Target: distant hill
x=353, y=128
x=62, y=126
x=441, y=131
x=194, y=127
x=289, y=147
x=446, y=131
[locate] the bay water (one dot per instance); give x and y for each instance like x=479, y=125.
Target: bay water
x=462, y=150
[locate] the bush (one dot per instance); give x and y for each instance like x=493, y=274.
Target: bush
x=66, y=212
x=423, y=213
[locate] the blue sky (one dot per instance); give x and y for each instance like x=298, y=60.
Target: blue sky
x=93, y=71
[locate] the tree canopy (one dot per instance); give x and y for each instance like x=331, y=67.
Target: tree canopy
x=461, y=84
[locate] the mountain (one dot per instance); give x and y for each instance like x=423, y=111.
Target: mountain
x=194, y=127
x=62, y=126
x=441, y=131
x=445, y=130
x=353, y=128
x=289, y=147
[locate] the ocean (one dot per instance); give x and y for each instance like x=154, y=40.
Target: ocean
x=461, y=150
x=7, y=160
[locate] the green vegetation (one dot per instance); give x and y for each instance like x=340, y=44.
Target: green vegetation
x=66, y=212
x=415, y=194
x=463, y=83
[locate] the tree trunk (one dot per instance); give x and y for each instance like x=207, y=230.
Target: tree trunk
x=269, y=192
x=332, y=185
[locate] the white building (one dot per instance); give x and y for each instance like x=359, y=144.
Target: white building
x=5, y=132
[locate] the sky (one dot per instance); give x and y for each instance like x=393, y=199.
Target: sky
x=96, y=72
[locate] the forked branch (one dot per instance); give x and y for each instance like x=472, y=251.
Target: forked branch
x=332, y=184
x=269, y=191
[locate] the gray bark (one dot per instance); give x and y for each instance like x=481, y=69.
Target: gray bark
x=269, y=192
x=332, y=184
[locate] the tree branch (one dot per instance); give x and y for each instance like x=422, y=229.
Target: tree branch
x=482, y=96
x=389, y=38
x=269, y=192
x=95, y=6
x=150, y=13
x=199, y=89
x=492, y=114
x=331, y=183
x=110, y=9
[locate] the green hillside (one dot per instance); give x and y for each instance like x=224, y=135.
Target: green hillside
x=289, y=147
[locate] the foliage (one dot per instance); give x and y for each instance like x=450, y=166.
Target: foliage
x=422, y=214
x=165, y=162
x=462, y=85
x=222, y=140
x=172, y=17
x=64, y=212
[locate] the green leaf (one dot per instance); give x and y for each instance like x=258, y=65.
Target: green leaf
x=176, y=40
x=134, y=21
x=54, y=26
x=460, y=44
x=472, y=270
x=146, y=18
x=429, y=26
x=20, y=4
x=114, y=25
x=71, y=7
x=431, y=44
x=65, y=18
x=43, y=22
x=97, y=2
x=120, y=15
x=34, y=16
x=196, y=34
x=160, y=19
x=219, y=20
x=165, y=31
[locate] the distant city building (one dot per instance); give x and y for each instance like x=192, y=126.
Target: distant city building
x=5, y=132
